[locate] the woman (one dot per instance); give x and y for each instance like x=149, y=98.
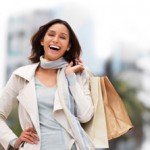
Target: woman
x=52, y=93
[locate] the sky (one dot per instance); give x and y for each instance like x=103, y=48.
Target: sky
x=115, y=21
x=127, y=20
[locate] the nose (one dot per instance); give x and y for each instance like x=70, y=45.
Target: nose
x=56, y=39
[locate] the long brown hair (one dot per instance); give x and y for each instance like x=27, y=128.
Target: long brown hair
x=37, y=50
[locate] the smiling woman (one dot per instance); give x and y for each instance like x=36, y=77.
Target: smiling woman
x=53, y=94
x=55, y=41
x=55, y=35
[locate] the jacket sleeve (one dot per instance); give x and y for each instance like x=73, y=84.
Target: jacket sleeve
x=79, y=88
x=7, y=102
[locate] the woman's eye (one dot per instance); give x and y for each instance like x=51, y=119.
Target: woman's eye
x=50, y=34
x=62, y=37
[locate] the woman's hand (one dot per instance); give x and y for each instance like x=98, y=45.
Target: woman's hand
x=77, y=68
x=29, y=136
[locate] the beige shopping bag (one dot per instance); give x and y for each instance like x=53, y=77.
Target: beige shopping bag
x=117, y=119
x=96, y=128
x=110, y=118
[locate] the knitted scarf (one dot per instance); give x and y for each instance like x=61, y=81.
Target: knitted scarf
x=68, y=104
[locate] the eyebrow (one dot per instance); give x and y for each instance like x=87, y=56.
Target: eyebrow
x=54, y=31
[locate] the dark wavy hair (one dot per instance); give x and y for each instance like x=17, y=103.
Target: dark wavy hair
x=37, y=49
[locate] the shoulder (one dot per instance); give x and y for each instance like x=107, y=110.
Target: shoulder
x=26, y=71
x=84, y=76
x=25, y=68
x=86, y=73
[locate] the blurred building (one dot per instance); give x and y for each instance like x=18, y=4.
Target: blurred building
x=144, y=64
x=20, y=30
x=21, y=27
x=130, y=64
x=123, y=64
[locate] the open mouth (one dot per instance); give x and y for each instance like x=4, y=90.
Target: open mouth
x=53, y=47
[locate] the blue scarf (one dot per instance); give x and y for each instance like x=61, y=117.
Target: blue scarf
x=83, y=141
x=56, y=64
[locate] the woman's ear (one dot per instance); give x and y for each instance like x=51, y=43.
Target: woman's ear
x=69, y=47
x=42, y=43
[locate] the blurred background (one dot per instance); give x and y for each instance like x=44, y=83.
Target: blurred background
x=115, y=40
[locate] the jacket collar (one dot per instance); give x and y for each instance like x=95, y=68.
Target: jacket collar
x=27, y=72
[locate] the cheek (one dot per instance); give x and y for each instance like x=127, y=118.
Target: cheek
x=66, y=43
x=47, y=39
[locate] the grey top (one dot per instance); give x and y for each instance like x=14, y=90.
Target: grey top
x=53, y=135
x=48, y=125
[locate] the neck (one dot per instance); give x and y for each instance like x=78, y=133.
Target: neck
x=49, y=70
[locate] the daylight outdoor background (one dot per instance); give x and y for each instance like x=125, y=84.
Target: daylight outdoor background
x=115, y=39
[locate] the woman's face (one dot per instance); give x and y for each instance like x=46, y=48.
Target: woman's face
x=55, y=41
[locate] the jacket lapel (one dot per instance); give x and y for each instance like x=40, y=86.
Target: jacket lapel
x=27, y=99
x=58, y=111
x=27, y=96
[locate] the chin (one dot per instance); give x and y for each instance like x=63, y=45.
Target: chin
x=52, y=58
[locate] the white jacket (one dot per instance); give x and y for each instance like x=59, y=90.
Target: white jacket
x=21, y=89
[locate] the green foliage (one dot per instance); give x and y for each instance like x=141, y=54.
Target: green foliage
x=129, y=96
x=13, y=122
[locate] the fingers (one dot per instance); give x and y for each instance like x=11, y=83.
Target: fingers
x=79, y=68
x=29, y=136
x=70, y=64
x=30, y=130
x=32, y=136
x=29, y=139
x=79, y=61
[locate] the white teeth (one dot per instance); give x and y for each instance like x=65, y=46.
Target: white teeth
x=54, y=47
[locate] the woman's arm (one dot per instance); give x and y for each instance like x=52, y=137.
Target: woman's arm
x=79, y=87
x=7, y=102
